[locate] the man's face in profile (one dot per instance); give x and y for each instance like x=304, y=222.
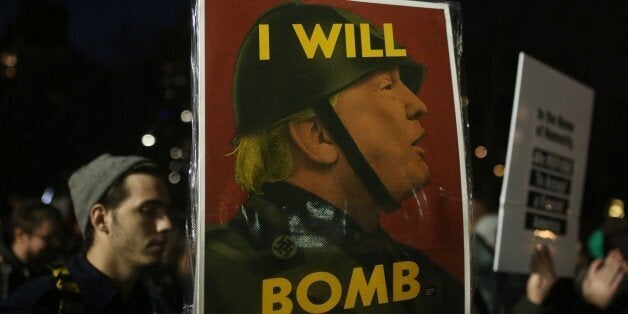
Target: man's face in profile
x=382, y=115
x=140, y=224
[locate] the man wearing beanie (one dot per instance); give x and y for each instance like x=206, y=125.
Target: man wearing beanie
x=121, y=204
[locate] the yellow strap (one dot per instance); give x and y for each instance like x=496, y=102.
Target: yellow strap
x=65, y=284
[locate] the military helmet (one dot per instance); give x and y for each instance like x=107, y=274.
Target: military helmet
x=266, y=91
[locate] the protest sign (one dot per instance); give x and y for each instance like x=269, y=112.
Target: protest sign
x=545, y=168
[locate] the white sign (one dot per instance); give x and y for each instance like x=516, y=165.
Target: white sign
x=545, y=168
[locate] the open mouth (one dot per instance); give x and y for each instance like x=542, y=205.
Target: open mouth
x=420, y=151
x=416, y=145
x=159, y=244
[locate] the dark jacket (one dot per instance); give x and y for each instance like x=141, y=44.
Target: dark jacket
x=40, y=295
x=292, y=234
x=12, y=272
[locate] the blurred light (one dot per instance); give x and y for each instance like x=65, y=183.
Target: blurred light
x=9, y=72
x=148, y=140
x=176, y=153
x=175, y=166
x=180, y=80
x=166, y=81
x=481, y=152
x=174, y=177
x=498, y=170
x=49, y=193
x=545, y=234
x=186, y=115
x=10, y=60
x=170, y=93
x=616, y=209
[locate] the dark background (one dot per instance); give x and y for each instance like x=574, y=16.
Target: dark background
x=93, y=76
x=583, y=39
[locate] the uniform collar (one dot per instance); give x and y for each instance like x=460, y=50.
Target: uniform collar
x=287, y=223
x=307, y=212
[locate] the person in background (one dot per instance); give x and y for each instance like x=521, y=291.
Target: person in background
x=539, y=283
x=496, y=292
x=604, y=286
x=604, y=283
x=28, y=243
x=121, y=204
x=598, y=288
x=595, y=290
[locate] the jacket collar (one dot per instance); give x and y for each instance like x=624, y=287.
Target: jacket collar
x=100, y=294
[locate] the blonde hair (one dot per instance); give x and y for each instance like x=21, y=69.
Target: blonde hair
x=265, y=155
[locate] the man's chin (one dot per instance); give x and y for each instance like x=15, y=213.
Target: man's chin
x=150, y=261
x=426, y=181
x=413, y=185
x=421, y=181
x=414, y=188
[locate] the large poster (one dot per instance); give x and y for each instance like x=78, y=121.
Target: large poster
x=545, y=168
x=331, y=158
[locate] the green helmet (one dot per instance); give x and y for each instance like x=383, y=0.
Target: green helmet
x=266, y=91
x=270, y=86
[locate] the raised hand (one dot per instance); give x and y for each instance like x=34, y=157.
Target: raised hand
x=603, y=279
x=542, y=275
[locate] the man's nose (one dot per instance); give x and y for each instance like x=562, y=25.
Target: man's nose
x=415, y=108
x=164, y=223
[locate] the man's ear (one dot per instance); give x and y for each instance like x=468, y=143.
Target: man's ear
x=98, y=218
x=313, y=139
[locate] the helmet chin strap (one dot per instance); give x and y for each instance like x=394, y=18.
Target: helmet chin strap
x=362, y=169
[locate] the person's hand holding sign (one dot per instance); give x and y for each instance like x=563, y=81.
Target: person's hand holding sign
x=542, y=275
x=603, y=279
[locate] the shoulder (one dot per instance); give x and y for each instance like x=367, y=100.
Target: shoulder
x=237, y=268
x=232, y=271
x=38, y=295
x=229, y=257
x=226, y=246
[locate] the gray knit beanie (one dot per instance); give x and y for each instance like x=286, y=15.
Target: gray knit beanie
x=89, y=183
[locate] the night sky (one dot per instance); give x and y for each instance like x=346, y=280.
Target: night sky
x=91, y=77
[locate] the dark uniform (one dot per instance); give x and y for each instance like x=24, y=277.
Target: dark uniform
x=40, y=295
x=290, y=233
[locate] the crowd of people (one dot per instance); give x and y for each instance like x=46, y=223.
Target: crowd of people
x=126, y=232
x=30, y=239
x=600, y=284
x=132, y=260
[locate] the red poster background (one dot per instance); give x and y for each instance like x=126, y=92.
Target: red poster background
x=433, y=223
